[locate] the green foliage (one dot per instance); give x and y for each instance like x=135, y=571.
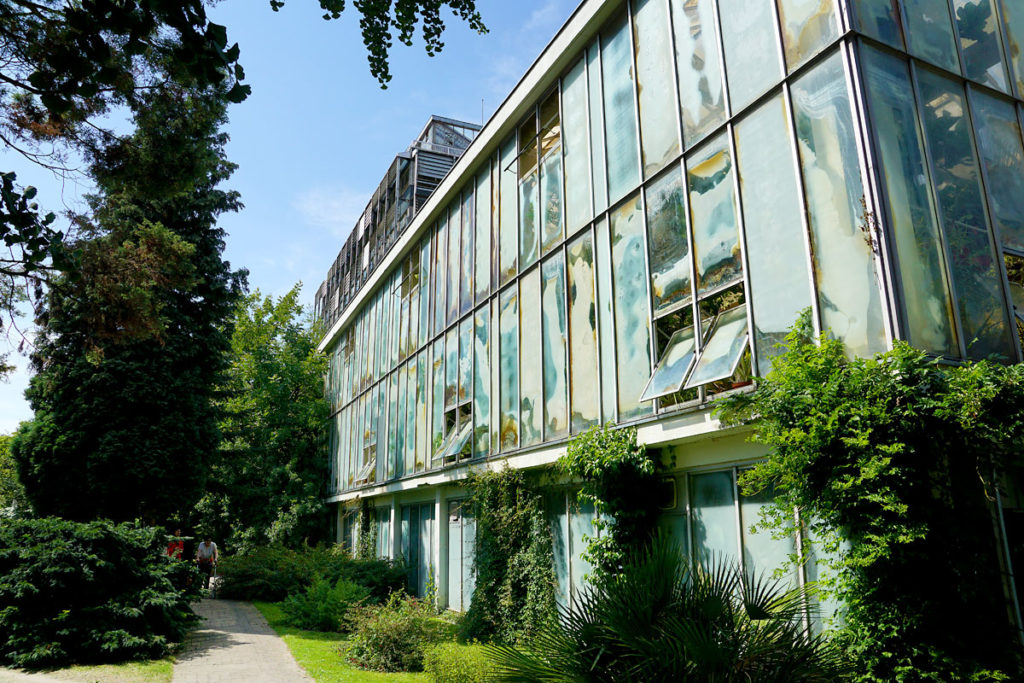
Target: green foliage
x=367, y=545
x=662, y=619
x=619, y=478
x=514, y=566
x=267, y=480
x=12, y=494
x=899, y=456
x=274, y=572
x=454, y=663
x=95, y=592
x=322, y=607
x=394, y=636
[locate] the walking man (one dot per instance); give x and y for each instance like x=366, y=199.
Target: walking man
x=207, y=556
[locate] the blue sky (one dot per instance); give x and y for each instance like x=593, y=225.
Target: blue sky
x=318, y=133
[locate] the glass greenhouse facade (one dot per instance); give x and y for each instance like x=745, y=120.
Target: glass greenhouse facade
x=644, y=218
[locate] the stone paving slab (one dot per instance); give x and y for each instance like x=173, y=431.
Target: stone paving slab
x=234, y=644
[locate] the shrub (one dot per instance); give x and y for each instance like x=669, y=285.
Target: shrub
x=93, y=592
x=273, y=573
x=322, y=607
x=454, y=663
x=395, y=635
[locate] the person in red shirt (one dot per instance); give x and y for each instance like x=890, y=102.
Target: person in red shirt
x=176, y=546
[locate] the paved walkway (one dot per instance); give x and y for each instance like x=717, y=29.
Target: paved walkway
x=234, y=644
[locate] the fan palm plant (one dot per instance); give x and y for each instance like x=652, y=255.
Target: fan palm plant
x=667, y=619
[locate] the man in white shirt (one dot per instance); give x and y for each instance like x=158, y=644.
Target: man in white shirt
x=207, y=556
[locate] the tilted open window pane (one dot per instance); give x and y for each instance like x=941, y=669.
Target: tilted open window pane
x=723, y=350
x=674, y=365
x=459, y=442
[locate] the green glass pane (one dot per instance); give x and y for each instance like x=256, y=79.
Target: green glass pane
x=575, y=147
x=583, y=366
x=481, y=384
x=596, y=109
x=412, y=398
x=659, y=135
x=495, y=386
x=701, y=91
x=723, y=350
x=509, y=362
x=1017, y=297
x=880, y=20
x=999, y=140
x=454, y=259
x=440, y=274
x=437, y=401
x=751, y=49
x=713, y=517
x=1013, y=19
x=808, y=26
x=451, y=384
x=466, y=360
x=482, y=239
x=401, y=420
x=605, y=320
x=553, y=349
x=666, y=239
x=422, y=432
x=529, y=220
x=930, y=33
x=980, y=41
x=672, y=367
x=619, y=111
x=508, y=230
x=763, y=554
x=713, y=214
x=531, y=410
x=551, y=200
x=393, y=426
x=466, y=251
x=424, y=292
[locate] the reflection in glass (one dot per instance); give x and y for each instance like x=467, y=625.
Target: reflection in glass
x=597, y=156
x=509, y=361
x=422, y=433
x=1013, y=19
x=927, y=304
x=410, y=415
x=778, y=278
x=508, y=230
x=574, y=147
x=465, y=360
x=424, y=292
x=531, y=413
x=451, y=363
x=619, y=111
x=973, y=265
x=880, y=19
x=482, y=239
x=713, y=213
x=844, y=270
x=551, y=199
x=713, y=506
x=1017, y=297
x=437, y=401
x=666, y=235
x=529, y=220
x=605, y=322
x=454, y=259
x=751, y=49
x=722, y=351
x=481, y=382
x=1000, y=142
x=495, y=385
x=632, y=316
x=440, y=274
x=978, y=26
x=583, y=366
x=930, y=33
x=401, y=420
x=659, y=137
x=807, y=27
x=700, y=73
x=763, y=553
x=393, y=421
x=556, y=399
x=672, y=367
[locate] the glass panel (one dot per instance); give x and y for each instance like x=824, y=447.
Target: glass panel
x=495, y=389
x=763, y=554
x=495, y=223
x=551, y=199
x=455, y=555
x=451, y=384
x=779, y=284
x=468, y=556
x=880, y=19
x=466, y=360
x=700, y=73
x=666, y=239
x=751, y=49
x=722, y=351
x=393, y=421
x=713, y=506
x=437, y=402
x=440, y=274
x=422, y=433
x=807, y=27
x=632, y=315
x=509, y=361
x=597, y=155
x=558, y=522
x=605, y=322
x=619, y=111
x=508, y=230
x=1017, y=297
x=672, y=368
x=581, y=528
x=844, y=270
x=426, y=537
x=973, y=259
x=530, y=411
x=1000, y=142
x=930, y=33
x=716, y=243
x=583, y=365
x=556, y=397
x=529, y=220
x=424, y=292
x=454, y=259
x=410, y=416
x=402, y=420
x=482, y=261
x=466, y=251
x=1013, y=19
x=574, y=147
x=481, y=384
x=382, y=431
x=659, y=135
x=978, y=26
x=927, y=306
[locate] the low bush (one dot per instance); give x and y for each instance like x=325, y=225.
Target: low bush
x=322, y=607
x=394, y=636
x=273, y=573
x=454, y=663
x=89, y=593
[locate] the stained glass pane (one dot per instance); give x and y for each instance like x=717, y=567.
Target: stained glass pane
x=713, y=213
x=659, y=134
x=666, y=239
x=722, y=351
x=466, y=251
x=1013, y=19
x=619, y=111
x=481, y=384
x=973, y=258
x=632, y=313
x=508, y=229
x=672, y=367
x=978, y=26
x=597, y=155
x=531, y=412
x=848, y=294
x=556, y=398
x=701, y=92
x=751, y=49
x=1000, y=142
x=575, y=147
x=807, y=27
x=551, y=199
x=509, y=361
x=930, y=33
x=583, y=365
x=605, y=320
x=927, y=304
x=713, y=506
x=780, y=285
x=880, y=19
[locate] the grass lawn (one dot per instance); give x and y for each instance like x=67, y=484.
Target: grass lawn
x=317, y=653
x=155, y=671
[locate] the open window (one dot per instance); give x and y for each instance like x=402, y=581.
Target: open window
x=673, y=367
x=723, y=350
